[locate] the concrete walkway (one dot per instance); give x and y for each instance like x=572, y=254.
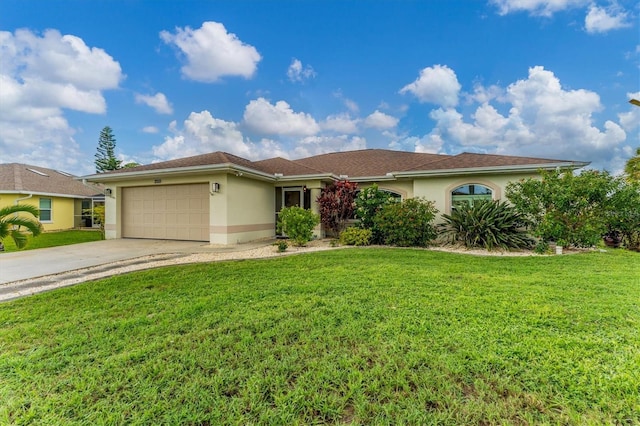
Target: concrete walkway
x=33, y=270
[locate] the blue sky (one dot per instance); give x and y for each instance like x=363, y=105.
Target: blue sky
x=259, y=79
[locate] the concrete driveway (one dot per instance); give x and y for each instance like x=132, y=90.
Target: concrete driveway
x=29, y=264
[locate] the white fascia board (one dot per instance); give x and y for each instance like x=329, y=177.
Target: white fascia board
x=226, y=167
x=319, y=176
x=50, y=194
x=495, y=169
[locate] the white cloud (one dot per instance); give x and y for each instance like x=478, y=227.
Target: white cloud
x=601, y=20
x=351, y=105
x=631, y=120
x=279, y=119
x=380, y=120
x=202, y=133
x=150, y=129
x=297, y=73
x=544, y=120
x=211, y=52
x=158, y=102
x=536, y=7
x=341, y=123
x=40, y=77
x=316, y=145
x=438, y=85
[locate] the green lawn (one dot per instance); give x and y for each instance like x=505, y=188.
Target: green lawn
x=357, y=336
x=54, y=239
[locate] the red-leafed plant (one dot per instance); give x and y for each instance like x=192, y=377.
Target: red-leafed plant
x=337, y=203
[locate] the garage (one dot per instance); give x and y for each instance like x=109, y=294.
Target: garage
x=167, y=212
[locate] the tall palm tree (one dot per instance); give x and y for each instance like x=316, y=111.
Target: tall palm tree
x=11, y=220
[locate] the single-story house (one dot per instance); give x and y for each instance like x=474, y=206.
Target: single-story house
x=225, y=199
x=64, y=201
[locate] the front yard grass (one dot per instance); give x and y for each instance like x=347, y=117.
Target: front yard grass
x=54, y=239
x=357, y=336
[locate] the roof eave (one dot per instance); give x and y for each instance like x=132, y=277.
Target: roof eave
x=524, y=168
x=179, y=171
x=52, y=194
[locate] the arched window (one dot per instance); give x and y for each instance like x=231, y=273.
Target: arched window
x=470, y=193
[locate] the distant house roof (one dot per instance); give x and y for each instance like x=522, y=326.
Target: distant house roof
x=361, y=164
x=26, y=179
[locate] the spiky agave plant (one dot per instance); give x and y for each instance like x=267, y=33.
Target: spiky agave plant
x=487, y=224
x=12, y=220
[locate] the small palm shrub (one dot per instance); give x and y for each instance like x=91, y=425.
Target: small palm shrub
x=355, y=237
x=488, y=225
x=407, y=224
x=298, y=223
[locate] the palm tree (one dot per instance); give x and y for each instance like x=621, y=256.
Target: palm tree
x=11, y=220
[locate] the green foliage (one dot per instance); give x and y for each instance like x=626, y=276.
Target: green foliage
x=55, y=239
x=405, y=224
x=364, y=337
x=632, y=168
x=487, y=224
x=542, y=247
x=12, y=218
x=563, y=206
x=282, y=246
x=368, y=203
x=355, y=237
x=105, y=156
x=623, y=212
x=336, y=205
x=98, y=216
x=298, y=223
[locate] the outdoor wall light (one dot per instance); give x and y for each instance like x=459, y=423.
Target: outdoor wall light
x=108, y=192
x=215, y=187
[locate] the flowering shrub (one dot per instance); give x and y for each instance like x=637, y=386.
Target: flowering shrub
x=405, y=224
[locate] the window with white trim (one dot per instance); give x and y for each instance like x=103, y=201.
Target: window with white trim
x=469, y=194
x=45, y=209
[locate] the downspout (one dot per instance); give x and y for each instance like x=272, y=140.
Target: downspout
x=21, y=199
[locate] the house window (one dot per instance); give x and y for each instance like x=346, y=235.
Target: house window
x=45, y=210
x=468, y=194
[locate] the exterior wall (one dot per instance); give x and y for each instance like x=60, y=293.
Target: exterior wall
x=438, y=189
x=62, y=209
x=243, y=210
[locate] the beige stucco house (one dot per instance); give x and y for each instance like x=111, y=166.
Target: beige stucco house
x=64, y=201
x=224, y=199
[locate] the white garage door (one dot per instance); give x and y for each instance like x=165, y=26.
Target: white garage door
x=169, y=212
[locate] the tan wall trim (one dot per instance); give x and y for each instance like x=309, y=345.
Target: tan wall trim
x=236, y=229
x=110, y=227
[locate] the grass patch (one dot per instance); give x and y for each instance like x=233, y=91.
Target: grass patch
x=360, y=336
x=54, y=239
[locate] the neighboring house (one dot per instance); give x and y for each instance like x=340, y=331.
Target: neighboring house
x=225, y=199
x=64, y=201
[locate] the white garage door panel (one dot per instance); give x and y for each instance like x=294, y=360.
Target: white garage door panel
x=173, y=212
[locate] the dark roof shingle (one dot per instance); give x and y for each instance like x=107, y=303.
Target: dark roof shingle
x=23, y=178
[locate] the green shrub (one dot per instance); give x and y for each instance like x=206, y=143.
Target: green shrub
x=368, y=203
x=282, y=246
x=487, y=224
x=297, y=224
x=542, y=247
x=564, y=206
x=406, y=224
x=355, y=237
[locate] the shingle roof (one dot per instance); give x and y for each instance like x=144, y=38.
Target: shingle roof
x=354, y=164
x=210, y=159
x=468, y=160
x=286, y=167
x=369, y=162
x=23, y=178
